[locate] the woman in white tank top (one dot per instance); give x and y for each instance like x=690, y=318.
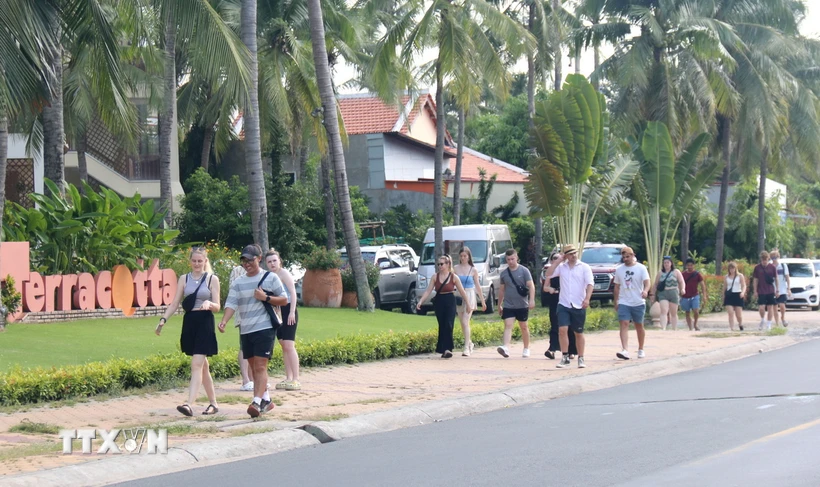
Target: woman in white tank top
x=734, y=293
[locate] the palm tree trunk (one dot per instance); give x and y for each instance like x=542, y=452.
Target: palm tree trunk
x=761, y=203
x=459, y=157
x=82, y=162
x=556, y=6
x=539, y=222
x=578, y=61
x=684, y=238
x=4, y=153
x=253, y=141
x=53, y=128
x=301, y=174
x=336, y=152
x=167, y=115
x=207, y=141
x=438, y=164
x=327, y=196
x=720, y=237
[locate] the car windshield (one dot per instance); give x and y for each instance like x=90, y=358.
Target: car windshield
x=453, y=247
x=801, y=270
x=602, y=255
x=367, y=256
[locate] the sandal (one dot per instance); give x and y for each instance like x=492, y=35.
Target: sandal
x=185, y=410
x=211, y=409
x=293, y=385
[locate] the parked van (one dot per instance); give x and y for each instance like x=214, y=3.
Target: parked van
x=487, y=243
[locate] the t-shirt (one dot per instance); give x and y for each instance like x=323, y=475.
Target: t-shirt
x=254, y=316
x=513, y=300
x=691, y=280
x=574, y=283
x=630, y=280
x=782, y=272
x=760, y=274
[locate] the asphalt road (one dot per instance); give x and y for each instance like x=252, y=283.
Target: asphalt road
x=750, y=422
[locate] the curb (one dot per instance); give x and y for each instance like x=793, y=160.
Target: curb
x=199, y=454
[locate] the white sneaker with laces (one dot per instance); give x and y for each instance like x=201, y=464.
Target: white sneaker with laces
x=623, y=354
x=762, y=323
x=525, y=353
x=581, y=363
x=503, y=351
x=641, y=354
x=768, y=325
x=247, y=387
x=466, y=352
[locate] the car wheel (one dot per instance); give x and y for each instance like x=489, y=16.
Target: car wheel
x=490, y=301
x=412, y=300
x=815, y=308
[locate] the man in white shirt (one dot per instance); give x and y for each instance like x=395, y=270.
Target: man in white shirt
x=784, y=288
x=631, y=289
x=573, y=300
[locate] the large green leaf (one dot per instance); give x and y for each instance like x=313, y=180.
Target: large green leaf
x=658, y=167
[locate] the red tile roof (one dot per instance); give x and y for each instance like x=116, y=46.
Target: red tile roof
x=473, y=160
x=368, y=114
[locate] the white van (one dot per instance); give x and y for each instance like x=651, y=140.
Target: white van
x=487, y=243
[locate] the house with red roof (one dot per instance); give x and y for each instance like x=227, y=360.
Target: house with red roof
x=391, y=149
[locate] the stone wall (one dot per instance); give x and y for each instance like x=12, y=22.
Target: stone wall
x=79, y=314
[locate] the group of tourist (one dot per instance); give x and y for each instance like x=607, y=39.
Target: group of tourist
x=264, y=303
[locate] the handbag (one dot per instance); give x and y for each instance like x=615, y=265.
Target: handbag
x=769, y=278
x=522, y=290
x=459, y=301
x=189, y=300
x=275, y=321
x=441, y=286
x=662, y=282
x=731, y=287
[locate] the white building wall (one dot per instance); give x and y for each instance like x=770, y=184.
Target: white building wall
x=773, y=189
x=502, y=193
x=404, y=162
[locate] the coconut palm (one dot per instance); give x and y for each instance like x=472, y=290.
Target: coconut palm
x=456, y=31
x=331, y=122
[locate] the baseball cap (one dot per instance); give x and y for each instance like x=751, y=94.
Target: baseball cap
x=628, y=251
x=569, y=249
x=251, y=251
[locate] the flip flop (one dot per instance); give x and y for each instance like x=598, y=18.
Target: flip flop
x=211, y=409
x=185, y=410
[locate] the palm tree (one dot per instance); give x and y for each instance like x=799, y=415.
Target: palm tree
x=456, y=31
x=331, y=122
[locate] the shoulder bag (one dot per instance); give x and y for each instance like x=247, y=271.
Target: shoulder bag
x=190, y=300
x=274, y=318
x=522, y=290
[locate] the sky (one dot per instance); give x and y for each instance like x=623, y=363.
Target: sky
x=809, y=28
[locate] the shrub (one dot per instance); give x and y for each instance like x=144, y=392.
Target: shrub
x=41, y=385
x=321, y=259
x=11, y=299
x=373, y=275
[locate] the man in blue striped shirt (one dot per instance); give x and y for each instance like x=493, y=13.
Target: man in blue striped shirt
x=257, y=334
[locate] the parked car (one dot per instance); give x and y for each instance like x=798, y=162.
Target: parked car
x=603, y=259
x=805, y=285
x=487, y=244
x=816, y=267
x=397, y=277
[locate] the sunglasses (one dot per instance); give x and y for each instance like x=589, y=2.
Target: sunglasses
x=556, y=257
x=441, y=264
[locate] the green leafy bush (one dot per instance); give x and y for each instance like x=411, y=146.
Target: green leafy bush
x=321, y=259
x=40, y=385
x=373, y=274
x=87, y=233
x=11, y=299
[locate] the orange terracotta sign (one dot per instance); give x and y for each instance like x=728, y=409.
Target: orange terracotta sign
x=119, y=288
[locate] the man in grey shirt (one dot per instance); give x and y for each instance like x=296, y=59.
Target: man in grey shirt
x=257, y=334
x=516, y=297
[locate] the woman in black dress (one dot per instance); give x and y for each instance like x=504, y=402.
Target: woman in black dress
x=549, y=298
x=198, y=293
x=444, y=282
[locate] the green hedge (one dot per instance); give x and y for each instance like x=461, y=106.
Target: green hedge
x=40, y=385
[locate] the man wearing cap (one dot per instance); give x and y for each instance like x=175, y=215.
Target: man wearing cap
x=256, y=332
x=573, y=300
x=631, y=289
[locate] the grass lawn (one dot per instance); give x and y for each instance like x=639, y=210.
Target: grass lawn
x=78, y=342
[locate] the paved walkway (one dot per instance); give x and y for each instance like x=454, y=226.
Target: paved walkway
x=341, y=391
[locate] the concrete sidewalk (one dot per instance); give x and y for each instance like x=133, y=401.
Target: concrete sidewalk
x=359, y=399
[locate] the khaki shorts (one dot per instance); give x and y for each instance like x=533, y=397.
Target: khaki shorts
x=471, y=298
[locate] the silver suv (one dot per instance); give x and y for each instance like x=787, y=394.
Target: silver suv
x=397, y=279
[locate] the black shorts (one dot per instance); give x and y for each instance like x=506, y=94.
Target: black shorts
x=571, y=317
x=286, y=331
x=198, y=334
x=765, y=299
x=258, y=343
x=520, y=314
x=782, y=298
x=733, y=299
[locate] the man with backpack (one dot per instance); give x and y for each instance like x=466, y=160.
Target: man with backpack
x=690, y=301
x=253, y=296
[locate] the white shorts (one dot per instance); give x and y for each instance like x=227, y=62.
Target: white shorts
x=471, y=298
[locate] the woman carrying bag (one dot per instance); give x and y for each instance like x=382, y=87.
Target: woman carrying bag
x=444, y=303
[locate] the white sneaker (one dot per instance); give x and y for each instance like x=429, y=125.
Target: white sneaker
x=466, y=352
x=503, y=351
x=526, y=353
x=768, y=326
x=247, y=387
x=762, y=323
x=581, y=363
x=623, y=354
x=641, y=354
